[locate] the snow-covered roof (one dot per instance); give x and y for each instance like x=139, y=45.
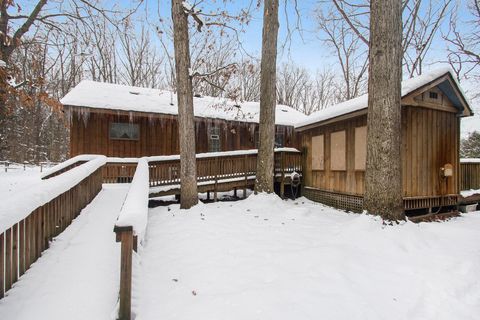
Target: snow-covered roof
x=100, y=95
x=361, y=102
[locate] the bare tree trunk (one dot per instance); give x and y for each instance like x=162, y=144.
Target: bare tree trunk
x=383, y=176
x=268, y=75
x=186, y=125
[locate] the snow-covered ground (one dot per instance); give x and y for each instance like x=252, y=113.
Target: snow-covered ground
x=78, y=276
x=263, y=258
x=16, y=179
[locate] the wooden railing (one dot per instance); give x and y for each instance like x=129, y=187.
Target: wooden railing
x=469, y=174
x=211, y=167
x=22, y=243
x=118, y=172
x=129, y=229
x=222, y=167
x=67, y=165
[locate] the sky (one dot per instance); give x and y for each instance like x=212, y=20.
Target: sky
x=304, y=48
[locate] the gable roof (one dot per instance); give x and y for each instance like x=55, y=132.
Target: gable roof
x=449, y=86
x=101, y=95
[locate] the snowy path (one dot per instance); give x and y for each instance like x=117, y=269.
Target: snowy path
x=77, y=277
x=263, y=258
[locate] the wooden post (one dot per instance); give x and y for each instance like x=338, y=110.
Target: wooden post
x=8, y=259
x=303, y=169
x=246, y=176
x=125, y=236
x=14, y=253
x=2, y=270
x=282, y=169
x=21, y=236
x=216, y=180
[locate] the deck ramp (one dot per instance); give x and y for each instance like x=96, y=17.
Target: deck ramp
x=77, y=277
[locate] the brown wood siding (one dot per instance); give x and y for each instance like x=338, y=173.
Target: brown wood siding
x=430, y=139
x=158, y=135
x=349, y=180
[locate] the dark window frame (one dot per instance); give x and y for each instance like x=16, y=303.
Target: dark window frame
x=134, y=137
x=214, y=139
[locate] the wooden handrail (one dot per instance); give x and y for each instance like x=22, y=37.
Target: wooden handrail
x=130, y=226
x=23, y=243
x=218, y=168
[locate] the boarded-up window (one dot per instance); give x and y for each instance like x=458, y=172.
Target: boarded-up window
x=360, y=148
x=318, y=154
x=338, y=151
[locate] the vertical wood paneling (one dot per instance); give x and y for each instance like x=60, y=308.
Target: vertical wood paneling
x=159, y=136
x=429, y=141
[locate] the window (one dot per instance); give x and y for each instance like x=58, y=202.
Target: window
x=214, y=139
x=124, y=131
x=360, y=148
x=279, y=137
x=318, y=154
x=433, y=95
x=338, y=151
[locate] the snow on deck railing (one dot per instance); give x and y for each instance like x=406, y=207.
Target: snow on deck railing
x=470, y=160
x=218, y=154
x=20, y=205
x=67, y=163
x=130, y=229
x=134, y=211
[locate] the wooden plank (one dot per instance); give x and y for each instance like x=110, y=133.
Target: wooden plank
x=28, y=241
x=2, y=262
x=14, y=253
x=21, y=248
x=8, y=259
x=126, y=275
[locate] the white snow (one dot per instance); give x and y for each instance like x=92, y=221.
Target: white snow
x=102, y=95
x=361, y=102
x=201, y=183
x=470, y=160
x=78, y=276
x=19, y=205
x=16, y=179
x=134, y=211
x=62, y=165
x=471, y=124
x=263, y=258
x=218, y=154
x=3, y=64
x=468, y=193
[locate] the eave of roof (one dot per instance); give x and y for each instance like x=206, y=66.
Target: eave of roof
x=358, y=106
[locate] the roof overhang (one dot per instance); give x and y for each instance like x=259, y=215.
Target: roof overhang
x=446, y=83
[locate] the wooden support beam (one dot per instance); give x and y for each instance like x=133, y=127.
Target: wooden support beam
x=14, y=270
x=125, y=236
x=8, y=259
x=2, y=261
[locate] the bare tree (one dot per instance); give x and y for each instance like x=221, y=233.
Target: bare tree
x=345, y=27
x=464, y=46
x=245, y=84
x=186, y=126
x=383, y=175
x=265, y=159
x=349, y=49
x=142, y=64
x=292, y=81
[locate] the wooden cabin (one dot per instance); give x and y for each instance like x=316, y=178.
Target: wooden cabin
x=334, y=142
x=124, y=121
